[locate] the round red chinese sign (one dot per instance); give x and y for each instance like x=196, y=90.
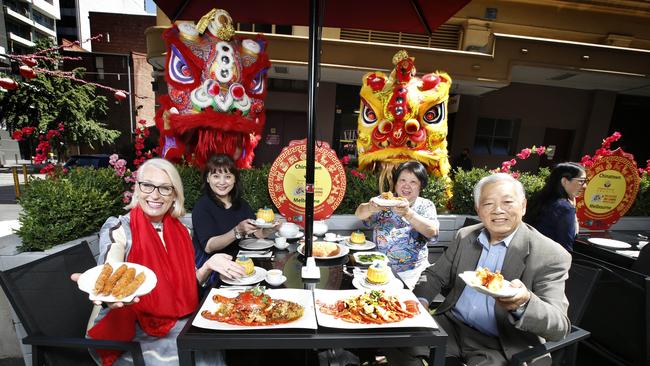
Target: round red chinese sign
x=287, y=181
x=611, y=191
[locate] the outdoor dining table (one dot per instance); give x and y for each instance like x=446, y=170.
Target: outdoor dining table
x=335, y=274
x=614, y=256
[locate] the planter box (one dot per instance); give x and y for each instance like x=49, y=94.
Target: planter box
x=11, y=330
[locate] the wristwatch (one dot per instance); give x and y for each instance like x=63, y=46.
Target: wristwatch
x=519, y=311
x=238, y=234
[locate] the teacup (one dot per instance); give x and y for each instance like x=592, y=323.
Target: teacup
x=289, y=230
x=274, y=277
x=330, y=236
x=281, y=242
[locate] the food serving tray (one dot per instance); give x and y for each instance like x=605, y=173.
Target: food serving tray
x=422, y=320
x=302, y=297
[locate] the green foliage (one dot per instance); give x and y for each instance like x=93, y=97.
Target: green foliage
x=255, y=184
x=534, y=182
x=360, y=188
x=191, y=177
x=641, y=205
x=68, y=207
x=436, y=191
x=47, y=100
x=463, y=187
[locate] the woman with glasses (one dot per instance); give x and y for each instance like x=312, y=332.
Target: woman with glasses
x=552, y=211
x=152, y=235
x=221, y=217
x=402, y=232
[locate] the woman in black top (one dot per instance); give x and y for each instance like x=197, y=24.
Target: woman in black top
x=552, y=211
x=221, y=217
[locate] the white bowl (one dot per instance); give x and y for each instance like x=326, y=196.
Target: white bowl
x=276, y=280
x=289, y=230
x=320, y=228
x=281, y=242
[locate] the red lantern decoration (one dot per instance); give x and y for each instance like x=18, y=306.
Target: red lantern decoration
x=8, y=83
x=27, y=72
x=29, y=62
x=119, y=95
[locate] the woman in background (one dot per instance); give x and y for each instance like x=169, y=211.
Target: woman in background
x=552, y=211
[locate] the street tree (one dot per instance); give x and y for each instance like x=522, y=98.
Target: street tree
x=50, y=97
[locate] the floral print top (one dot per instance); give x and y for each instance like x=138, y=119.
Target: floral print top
x=405, y=247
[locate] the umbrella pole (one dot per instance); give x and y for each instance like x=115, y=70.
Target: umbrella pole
x=314, y=62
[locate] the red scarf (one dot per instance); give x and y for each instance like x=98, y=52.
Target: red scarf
x=175, y=295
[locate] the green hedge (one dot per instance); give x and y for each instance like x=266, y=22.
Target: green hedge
x=66, y=207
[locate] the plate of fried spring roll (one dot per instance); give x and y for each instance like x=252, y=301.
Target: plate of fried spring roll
x=117, y=281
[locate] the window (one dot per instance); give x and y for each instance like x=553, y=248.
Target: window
x=99, y=65
x=495, y=136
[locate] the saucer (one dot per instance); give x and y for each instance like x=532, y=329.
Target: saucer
x=284, y=278
x=297, y=236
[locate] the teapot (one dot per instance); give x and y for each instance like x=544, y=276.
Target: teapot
x=320, y=228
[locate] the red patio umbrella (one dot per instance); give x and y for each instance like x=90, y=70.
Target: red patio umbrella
x=412, y=16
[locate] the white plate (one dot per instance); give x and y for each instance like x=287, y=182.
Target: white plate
x=422, y=320
x=337, y=238
x=297, y=236
x=367, y=245
x=302, y=297
x=87, y=281
x=609, y=243
x=629, y=253
x=255, y=244
x=258, y=276
x=263, y=225
x=343, y=251
x=362, y=284
x=470, y=279
x=385, y=203
x=357, y=257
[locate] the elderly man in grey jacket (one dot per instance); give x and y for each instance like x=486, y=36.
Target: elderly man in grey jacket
x=484, y=330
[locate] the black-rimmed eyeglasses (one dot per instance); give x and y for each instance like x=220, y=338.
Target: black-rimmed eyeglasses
x=149, y=188
x=580, y=180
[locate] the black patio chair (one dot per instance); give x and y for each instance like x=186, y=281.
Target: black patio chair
x=54, y=312
x=642, y=263
x=578, y=289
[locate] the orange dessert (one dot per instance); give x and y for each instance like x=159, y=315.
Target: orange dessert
x=358, y=237
x=378, y=273
x=247, y=263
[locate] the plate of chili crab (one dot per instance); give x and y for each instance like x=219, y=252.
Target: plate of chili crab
x=256, y=308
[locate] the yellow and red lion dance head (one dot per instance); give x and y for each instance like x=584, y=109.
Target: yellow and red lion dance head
x=216, y=87
x=403, y=117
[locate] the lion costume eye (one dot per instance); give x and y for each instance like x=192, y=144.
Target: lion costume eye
x=369, y=115
x=179, y=71
x=435, y=114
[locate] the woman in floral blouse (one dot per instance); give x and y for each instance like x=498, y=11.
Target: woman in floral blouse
x=403, y=231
